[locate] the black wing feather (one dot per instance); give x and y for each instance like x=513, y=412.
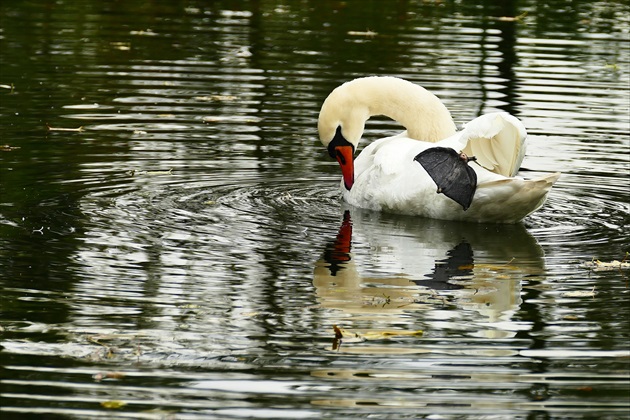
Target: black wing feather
x=450, y=171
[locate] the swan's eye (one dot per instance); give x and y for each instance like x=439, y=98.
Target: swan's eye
x=336, y=143
x=340, y=158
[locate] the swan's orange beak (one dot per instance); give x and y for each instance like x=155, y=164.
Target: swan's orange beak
x=344, y=155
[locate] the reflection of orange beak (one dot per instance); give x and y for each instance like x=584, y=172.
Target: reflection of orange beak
x=344, y=155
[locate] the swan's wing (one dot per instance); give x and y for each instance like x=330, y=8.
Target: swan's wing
x=497, y=140
x=451, y=173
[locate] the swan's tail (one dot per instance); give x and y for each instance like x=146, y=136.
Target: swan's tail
x=510, y=200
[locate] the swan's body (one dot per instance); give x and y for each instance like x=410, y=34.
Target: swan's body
x=385, y=175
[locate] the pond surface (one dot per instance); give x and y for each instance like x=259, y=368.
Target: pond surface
x=186, y=253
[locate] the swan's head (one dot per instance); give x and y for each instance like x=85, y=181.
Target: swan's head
x=342, y=150
x=347, y=108
x=340, y=125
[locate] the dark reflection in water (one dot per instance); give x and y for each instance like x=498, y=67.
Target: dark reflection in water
x=458, y=264
x=177, y=238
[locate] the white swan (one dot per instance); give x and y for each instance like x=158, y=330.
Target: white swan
x=392, y=174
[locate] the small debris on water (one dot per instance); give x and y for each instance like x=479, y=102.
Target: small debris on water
x=580, y=293
x=80, y=129
x=597, y=265
x=108, y=375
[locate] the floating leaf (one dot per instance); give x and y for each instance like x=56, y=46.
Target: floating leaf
x=64, y=129
x=169, y=172
x=367, y=33
x=213, y=98
x=113, y=404
x=108, y=375
x=495, y=267
x=239, y=119
x=379, y=335
x=580, y=293
x=123, y=46
x=512, y=18
x=372, y=334
x=190, y=306
x=148, y=32
x=597, y=265
x=338, y=332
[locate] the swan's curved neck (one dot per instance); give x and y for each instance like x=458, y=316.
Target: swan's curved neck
x=350, y=105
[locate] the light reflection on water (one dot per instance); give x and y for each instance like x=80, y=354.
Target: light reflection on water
x=192, y=236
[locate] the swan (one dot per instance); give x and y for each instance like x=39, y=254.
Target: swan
x=430, y=169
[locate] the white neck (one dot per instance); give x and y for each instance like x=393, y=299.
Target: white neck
x=350, y=105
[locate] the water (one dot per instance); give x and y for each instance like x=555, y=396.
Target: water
x=187, y=255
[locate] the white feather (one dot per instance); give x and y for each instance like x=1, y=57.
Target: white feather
x=387, y=178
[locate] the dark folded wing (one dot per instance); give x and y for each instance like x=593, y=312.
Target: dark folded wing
x=451, y=173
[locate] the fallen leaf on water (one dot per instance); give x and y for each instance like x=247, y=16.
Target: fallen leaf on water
x=512, y=18
x=169, y=172
x=113, y=404
x=148, y=32
x=212, y=98
x=367, y=33
x=122, y=46
x=7, y=148
x=377, y=335
x=338, y=332
x=597, y=265
x=64, y=129
x=356, y=336
x=580, y=293
x=241, y=119
x=496, y=267
x=108, y=375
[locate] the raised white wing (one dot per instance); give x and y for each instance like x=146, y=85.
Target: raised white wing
x=497, y=140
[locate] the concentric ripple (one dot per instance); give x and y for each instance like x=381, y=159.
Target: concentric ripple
x=581, y=214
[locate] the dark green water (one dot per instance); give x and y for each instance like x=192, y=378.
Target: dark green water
x=179, y=256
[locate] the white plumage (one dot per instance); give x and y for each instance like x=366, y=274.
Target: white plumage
x=385, y=175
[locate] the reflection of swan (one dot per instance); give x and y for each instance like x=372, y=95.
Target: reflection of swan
x=339, y=284
x=399, y=174
x=407, y=259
